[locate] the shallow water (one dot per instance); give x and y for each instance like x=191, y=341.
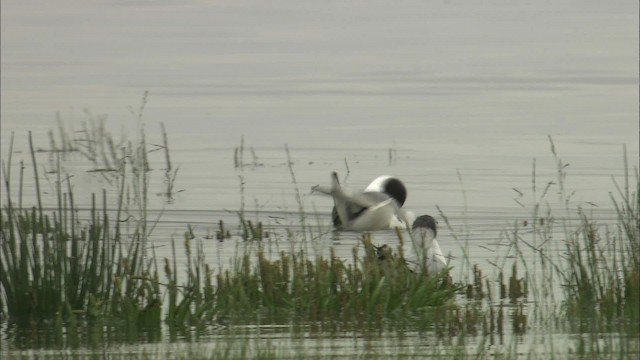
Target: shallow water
x=456, y=99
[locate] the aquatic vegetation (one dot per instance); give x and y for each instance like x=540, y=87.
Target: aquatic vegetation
x=238, y=156
x=170, y=173
x=599, y=268
x=53, y=265
x=579, y=272
x=604, y=265
x=80, y=271
x=93, y=141
x=328, y=290
x=88, y=268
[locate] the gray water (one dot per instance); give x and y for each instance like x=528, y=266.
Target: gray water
x=456, y=98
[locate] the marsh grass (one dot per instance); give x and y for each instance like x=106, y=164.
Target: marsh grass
x=238, y=157
x=327, y=291
x=170, y=173
x=598, y=270
x=80, y=270
x=600, y=265
x=367, y=293
x=604, y=265
x=75, y=268
x=55, y=266
x=569, y=270
x=93, y=141
x=286, y=288
x=108, y=154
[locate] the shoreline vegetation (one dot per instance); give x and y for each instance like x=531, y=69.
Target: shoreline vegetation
x=84, y=278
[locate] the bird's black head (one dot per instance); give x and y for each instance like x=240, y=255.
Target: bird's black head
x=395, y=188
x=425, y=221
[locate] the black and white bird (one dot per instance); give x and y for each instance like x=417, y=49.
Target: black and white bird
x=379, y=207
x=424, y=247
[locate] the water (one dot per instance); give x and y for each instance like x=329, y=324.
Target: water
x=457, y=99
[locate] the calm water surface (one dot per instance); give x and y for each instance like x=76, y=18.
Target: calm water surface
x=455, y=98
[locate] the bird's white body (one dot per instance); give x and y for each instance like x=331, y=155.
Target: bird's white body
x=372, y=209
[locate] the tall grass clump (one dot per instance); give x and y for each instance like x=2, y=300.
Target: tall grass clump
x=582, y=270
x=579, y=270
x=189, y=304
x=72, y=263
x=85, y=267
x=595, y=262
x=603, y=284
